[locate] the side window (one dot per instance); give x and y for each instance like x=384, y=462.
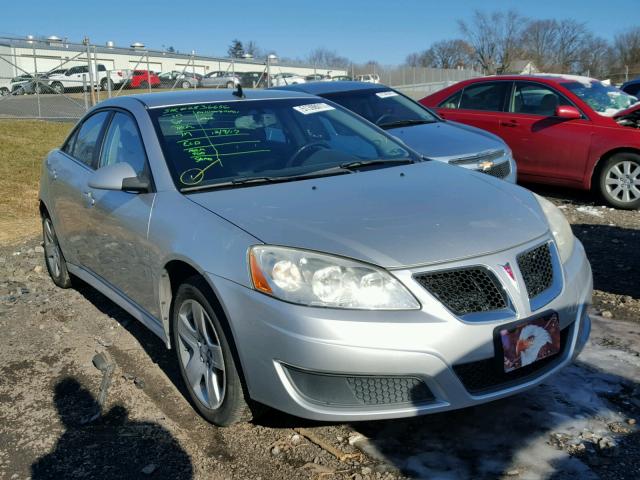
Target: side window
x=122, y=144
x=453, y=101
x=536, y=99
x=485, y=96
x=84, y=148
x=102, y=68
x=73, y=70
x=68, y=145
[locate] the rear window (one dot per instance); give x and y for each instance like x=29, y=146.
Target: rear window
x=485, y=96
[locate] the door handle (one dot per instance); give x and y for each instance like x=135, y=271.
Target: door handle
x=509, y=123
x=90, y=200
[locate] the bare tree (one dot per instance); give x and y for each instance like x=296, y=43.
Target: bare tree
x=494, y=37
x=450, y=54
x=539, y=42
x=251, y=47
x=595, y=57
x=570, y=38
x=627, y=48
x=323, y=57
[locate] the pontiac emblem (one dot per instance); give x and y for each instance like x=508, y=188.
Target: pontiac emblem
x=509, y=271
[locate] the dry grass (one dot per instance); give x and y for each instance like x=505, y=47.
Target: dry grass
x=23, y=145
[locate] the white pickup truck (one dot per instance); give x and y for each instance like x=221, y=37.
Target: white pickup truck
x=72, y=79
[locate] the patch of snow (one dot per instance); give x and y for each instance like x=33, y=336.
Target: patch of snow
x=589, y=210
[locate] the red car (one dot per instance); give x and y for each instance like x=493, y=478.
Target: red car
x=140, y=79
x=563, y=130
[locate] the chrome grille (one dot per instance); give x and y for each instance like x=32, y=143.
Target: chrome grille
x=464, y=291
x=487, y=156
x=537, y=269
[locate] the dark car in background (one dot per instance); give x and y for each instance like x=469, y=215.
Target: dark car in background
x=564, y=130
x=632, y=87
x=418, y=127
x=178, y=79
x=253, y=79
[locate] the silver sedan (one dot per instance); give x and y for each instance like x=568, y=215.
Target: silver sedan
x=296, y=256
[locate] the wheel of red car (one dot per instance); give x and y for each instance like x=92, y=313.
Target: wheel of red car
x=620, y=180
x=231, y=84
x=205, y=354
x=144, y=84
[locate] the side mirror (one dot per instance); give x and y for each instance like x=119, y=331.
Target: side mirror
x=119, y=176
x=567, y=112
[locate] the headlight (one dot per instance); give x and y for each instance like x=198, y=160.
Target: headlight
x=559, y=227
x=316, y=279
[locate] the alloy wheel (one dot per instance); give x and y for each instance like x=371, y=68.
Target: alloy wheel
x=51, y=249
x=200, y=352
x=622, y=181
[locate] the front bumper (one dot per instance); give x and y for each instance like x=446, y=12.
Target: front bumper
x=275, y=338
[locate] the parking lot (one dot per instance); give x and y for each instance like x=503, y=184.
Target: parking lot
x=581, y=424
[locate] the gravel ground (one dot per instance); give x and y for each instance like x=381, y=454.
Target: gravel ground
x=582, y=424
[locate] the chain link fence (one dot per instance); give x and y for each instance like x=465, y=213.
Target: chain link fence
x=55, y=79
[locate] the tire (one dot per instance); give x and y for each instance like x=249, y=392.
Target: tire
x=4, y=91
x=53, y=257
x=106, y=84
x=57, y=87
x=619, y=181
x=206, y=356
x=19, y=91
x=143, y=84
x=231, y=84
x=185, y=84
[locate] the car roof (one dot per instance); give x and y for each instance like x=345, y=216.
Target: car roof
x=321, y=88
x=154, y=100
x=549, y=77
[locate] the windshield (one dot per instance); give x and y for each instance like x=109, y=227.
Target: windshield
x=385, y=108
x=604, y=99
x=216, y=143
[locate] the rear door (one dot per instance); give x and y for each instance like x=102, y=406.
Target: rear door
x=544, y=146
x=479, y=104
x=118, y=220
x=68, y=173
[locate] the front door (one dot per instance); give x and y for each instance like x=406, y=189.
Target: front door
x=119, y=220
x=545, y=147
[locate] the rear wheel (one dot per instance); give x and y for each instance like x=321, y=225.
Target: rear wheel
x=106, y=84
x=186, y=84
x=56, y=264
x=4, y=91
x=57, y=87
x=619, y=181
x=204, y=352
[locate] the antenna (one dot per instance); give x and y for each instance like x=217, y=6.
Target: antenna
x=238, y=92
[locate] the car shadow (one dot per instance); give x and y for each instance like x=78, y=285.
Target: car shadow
x=110, y=447
x=611, y=250
x=524, y=436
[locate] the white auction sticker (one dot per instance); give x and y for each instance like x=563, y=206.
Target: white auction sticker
x=313, y=108
x=387, y=94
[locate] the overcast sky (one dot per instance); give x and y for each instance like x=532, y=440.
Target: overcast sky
x=358, y=29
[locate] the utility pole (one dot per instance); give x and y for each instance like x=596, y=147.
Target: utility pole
x=85, y=42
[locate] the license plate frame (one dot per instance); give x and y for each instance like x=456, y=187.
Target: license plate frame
x=519, y=348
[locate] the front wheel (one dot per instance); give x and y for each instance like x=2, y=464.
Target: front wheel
x=205, y=356
x=231, y=85
x=56, y=264
x=186, y=84
x=4, y=91
x=106, y=84
x=144, y=84
x=619, y=181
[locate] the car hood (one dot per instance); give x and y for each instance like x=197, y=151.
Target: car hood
x=446, y=140
x=627, y=111
x=394, y=217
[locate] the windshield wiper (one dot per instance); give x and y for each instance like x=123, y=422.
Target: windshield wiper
x=257, y=180
x=366, y=163
x=404, y=123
